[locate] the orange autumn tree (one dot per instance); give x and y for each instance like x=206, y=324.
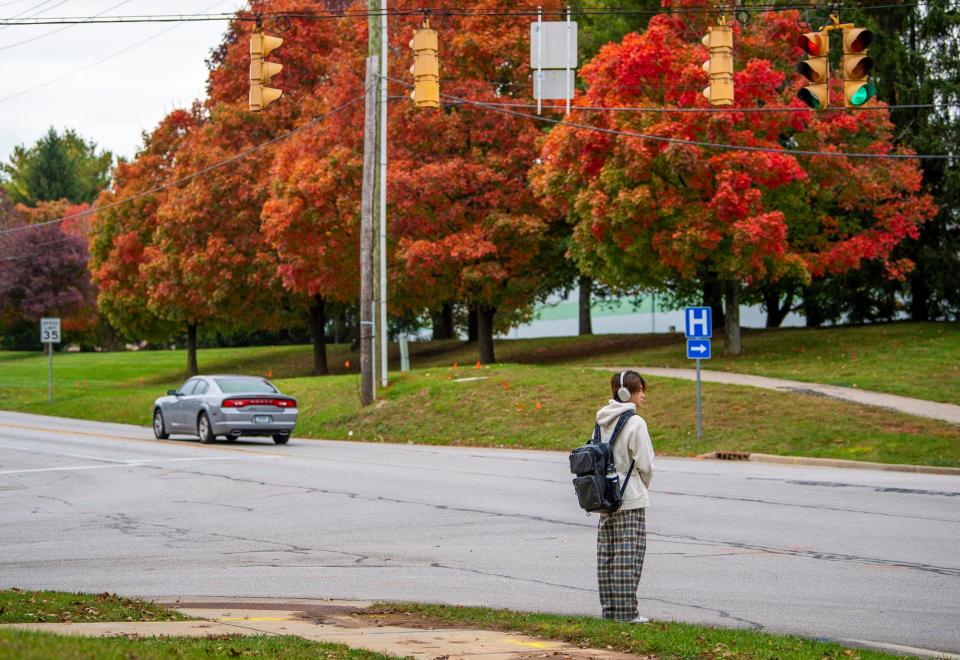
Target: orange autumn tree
x=463, y=225
x=208, y=263
x=125, y=225
x=657, y=210
x=467, y=226
x=195, y=254
x=312, y=215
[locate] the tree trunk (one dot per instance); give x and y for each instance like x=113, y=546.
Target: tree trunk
x=586, y=289
x=811, y=309
x=192, y=369
x=485, y=333
x=472, y=332
x=732, y=346
x=443, y=322
x=713, y=297
x=318, y=326
x=775, y=311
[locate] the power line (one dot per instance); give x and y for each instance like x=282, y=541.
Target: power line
x=712, y=109
x=693, y=143
x=96, y=62
x=445, y=12
x=189, y=177
x=65, y=27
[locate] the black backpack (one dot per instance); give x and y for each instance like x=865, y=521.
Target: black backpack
x=597, y=483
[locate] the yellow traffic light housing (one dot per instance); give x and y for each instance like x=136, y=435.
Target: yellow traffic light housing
x=261, y=71
x=719, y=40
x=816, y=69
x=857, y=89
x=426, y=67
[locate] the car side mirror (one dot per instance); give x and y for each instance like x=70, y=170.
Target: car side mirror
x=172, y=393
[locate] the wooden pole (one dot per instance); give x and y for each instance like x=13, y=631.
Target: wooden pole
x=366, y=232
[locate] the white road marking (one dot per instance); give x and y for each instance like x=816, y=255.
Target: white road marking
x=134, y=463
x=34, y=450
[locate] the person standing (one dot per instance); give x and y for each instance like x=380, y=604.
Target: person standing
x=622, y=535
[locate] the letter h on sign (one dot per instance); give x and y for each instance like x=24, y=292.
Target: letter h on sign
x=699, y=322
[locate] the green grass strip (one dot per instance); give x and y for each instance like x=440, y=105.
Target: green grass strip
x=20, y=606
x=660, y=639
x=27, y=645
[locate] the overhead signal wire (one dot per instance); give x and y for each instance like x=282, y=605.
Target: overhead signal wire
x=209, y=168
x=443, y=12
x=724, y=109
x=96, y=62
x=693, y=143
x=65, y=27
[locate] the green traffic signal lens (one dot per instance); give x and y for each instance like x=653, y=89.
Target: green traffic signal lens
x=809, y=98
x=863, y=94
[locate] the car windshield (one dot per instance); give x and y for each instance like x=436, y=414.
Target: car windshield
x=245, y=386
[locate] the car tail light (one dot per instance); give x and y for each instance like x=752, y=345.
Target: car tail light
x=240, y=403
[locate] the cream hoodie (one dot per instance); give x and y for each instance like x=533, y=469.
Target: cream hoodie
x=633, y=443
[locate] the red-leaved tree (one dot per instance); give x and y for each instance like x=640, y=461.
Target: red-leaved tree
x=650, y=212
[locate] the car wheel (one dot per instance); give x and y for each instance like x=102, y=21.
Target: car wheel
x=204, y=430
x=281, y=439
x=159, y=428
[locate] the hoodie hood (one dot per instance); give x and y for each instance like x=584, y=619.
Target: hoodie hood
x=608, y=415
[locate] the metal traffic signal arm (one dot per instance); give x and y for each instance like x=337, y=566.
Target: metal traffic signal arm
x=855, y=65
x=261, y=71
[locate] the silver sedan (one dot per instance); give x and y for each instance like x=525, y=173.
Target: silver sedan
x=230, y=406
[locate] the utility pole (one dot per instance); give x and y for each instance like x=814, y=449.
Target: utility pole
x=382, y=183
x=367, y=193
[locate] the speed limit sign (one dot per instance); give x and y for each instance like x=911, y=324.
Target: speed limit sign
x=50, y=331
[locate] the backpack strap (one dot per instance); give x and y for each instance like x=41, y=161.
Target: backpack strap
x=616, y=433
x=619, y=427
x=596, y=434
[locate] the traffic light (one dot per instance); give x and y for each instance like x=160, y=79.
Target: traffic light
x=426, y=67
x=719, y=40
x=261, y=71
x=816, y=69
x=857, y=90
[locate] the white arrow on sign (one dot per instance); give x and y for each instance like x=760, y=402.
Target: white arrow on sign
x=698, y=348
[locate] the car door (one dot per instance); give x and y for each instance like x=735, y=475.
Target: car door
x=177, y=419
x=193, y=403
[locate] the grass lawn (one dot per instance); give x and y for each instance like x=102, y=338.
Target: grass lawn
x=657, y=639
x=511, y=405
x=26, y=645
x=660, y=639
x=920, y=360
x=19, y=606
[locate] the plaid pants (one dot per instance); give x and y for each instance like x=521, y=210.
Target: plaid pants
x=621, y=544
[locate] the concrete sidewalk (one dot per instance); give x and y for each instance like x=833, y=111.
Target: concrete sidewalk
x=946, y=412
x=340, y=622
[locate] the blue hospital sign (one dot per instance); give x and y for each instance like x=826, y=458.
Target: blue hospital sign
x=699, y=322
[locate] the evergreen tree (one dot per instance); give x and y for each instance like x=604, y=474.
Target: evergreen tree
x=56, y=167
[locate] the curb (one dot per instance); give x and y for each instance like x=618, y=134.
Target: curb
x=827, y=462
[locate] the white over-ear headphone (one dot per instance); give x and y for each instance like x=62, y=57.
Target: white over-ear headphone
x=623, y=394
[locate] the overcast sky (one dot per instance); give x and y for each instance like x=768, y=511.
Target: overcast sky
x=111, y=102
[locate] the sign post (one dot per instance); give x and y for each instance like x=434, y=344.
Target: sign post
x=50, y=335
x=698, y=322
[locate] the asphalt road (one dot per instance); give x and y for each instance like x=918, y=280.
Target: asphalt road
x=822, y=552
